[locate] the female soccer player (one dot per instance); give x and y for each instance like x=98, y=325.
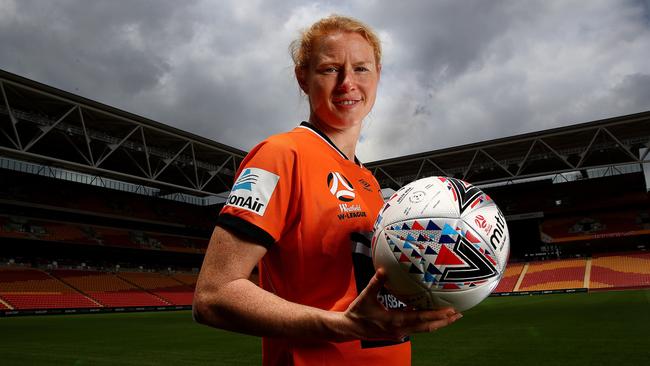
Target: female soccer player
x=299, y=208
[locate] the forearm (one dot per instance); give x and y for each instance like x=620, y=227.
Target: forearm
x=243, y=307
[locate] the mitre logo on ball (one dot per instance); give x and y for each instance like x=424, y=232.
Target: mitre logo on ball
x=442, y=242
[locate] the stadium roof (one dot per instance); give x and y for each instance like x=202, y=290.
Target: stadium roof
x=45, y=125
x=599, y=144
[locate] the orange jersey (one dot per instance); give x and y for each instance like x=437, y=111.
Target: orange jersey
x=299, y=196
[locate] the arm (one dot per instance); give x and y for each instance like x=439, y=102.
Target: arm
x=225, y=298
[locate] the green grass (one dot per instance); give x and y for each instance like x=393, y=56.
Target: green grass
x=607, y=328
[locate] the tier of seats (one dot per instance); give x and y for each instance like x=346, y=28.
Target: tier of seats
x=596, y=225
x=186, y=278
x=27, y=288
x=109, y=289
x=27, y=228
x=620, y=271
x=26, y=189
x=162, y=286
x=556, y=274
x=510, y=277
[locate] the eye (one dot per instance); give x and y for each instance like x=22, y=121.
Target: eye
x=330, y=70
x=361, y=69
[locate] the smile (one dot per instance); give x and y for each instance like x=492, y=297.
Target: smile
x=346, y=102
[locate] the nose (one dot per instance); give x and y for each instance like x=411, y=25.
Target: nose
x=346, y=80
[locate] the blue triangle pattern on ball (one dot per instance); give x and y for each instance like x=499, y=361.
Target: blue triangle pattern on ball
x=428, y=277
x=414, y=269
x=429, y=251
x=433, y=269
x=448, y=230
x=432, y=226
x=446, y=239
x=405, y=227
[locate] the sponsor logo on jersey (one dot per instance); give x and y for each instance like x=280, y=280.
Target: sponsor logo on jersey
x=340, y=187
x=348, y=211
x=253, y=190
x=365, y=185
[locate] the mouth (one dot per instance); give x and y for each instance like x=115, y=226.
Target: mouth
x=346, y=102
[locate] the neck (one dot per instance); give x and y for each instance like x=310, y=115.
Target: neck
x=345, y=139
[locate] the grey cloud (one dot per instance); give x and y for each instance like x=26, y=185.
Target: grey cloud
x=454, y=72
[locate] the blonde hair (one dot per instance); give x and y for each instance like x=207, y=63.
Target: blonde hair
x=301, y=48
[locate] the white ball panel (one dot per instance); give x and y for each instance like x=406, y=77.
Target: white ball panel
x=490, y=224
x=399, y=283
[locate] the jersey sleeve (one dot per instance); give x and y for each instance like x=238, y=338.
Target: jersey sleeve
x=262, y=200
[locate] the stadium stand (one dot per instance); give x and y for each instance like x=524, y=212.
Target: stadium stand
x=166, y=287
x=555, y=274
x=186, y=278
x=25, y=190
x=108, y=289
x=28, y=288
x=620, y=271
x=28, y=228
x=510, y=277
x=596, y=225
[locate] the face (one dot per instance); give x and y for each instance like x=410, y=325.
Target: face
x=341, y=80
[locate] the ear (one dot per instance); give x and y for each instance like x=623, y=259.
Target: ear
x=301, y=76
x=378, y=72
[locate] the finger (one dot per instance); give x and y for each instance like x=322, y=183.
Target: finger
x=428, y=315
x=434, y=325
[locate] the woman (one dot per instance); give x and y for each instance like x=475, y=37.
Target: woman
x=300, y=207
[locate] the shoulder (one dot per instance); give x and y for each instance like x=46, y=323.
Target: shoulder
x=291, y=143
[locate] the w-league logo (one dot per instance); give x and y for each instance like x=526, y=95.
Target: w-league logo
x=340, y=187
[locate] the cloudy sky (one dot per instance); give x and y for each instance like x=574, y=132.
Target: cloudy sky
x=454, y=72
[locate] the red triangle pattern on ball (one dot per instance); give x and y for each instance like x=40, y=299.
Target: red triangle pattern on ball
x=447, y=257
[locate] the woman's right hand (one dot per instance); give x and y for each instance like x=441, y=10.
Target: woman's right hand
x=367, y=318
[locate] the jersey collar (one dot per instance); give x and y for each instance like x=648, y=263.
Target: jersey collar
x=319, y=133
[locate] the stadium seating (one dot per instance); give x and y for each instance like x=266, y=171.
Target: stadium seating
x=26, y=189
x=163, y=286
x=108, y=289
x=510, y=277
x=620, y=271
x=555, y=274
x=186, y=278
x=3, y=306
x=27, y=288
x=35, y=229
x=596, y=225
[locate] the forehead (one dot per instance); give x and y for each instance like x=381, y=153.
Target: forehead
x=335, y=46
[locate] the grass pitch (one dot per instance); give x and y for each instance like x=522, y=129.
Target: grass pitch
x=606, y=328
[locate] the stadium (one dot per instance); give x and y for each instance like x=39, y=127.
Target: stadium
x=105, y=216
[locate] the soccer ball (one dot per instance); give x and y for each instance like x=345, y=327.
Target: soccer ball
x=442, y=242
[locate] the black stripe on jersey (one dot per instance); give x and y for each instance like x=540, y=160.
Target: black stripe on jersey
x=246, y=229
x=327, y=139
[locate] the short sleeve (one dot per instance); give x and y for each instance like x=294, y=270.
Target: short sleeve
x=262, y=200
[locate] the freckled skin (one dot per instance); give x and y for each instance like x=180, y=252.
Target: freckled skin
x=341, y=83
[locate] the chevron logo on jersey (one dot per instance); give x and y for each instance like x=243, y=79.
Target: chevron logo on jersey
x=253, y=190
